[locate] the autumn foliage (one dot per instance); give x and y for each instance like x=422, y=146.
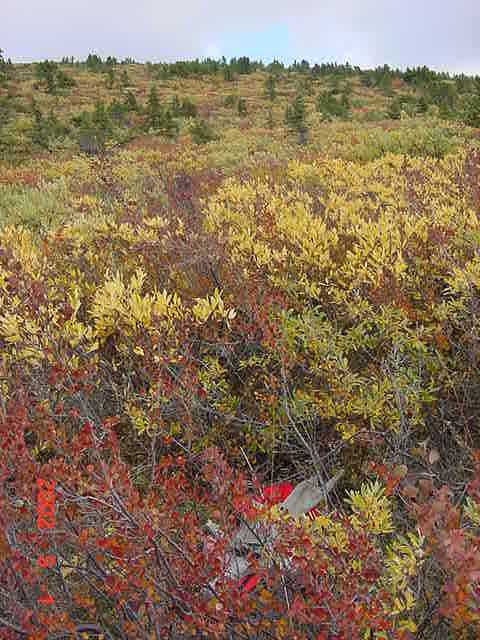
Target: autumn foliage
x=182, y=325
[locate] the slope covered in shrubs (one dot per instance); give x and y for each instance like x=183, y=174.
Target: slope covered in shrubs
x=187, y=315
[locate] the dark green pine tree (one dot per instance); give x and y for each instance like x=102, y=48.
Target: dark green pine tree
x=38, y=133
x=154, y=115
x=295, y=118
x=394, y=110
x=175, y=106
x=242, y=107
x=110, y=79
x=422, y=105
x=471, y=110
x=188, y=109
x=130, y=102
x=169, y=126
x=271, y=87
x=124, y=79
x=100, y=117
x=228, y=74
x=270, y=121
x=3, y=69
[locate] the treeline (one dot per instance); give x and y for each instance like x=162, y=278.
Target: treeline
x=457, y=96
x=413, y=92
x=420, y=76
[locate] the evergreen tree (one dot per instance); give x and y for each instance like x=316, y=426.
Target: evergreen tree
x=345, y=103
x=64, y=81
x=305, y=86
x=202, y=132
x=117, y=111
x=154, y=115
x=3, y=69
x=93, y=62
x=38, y=134
x=335, y=86
x=101, y=120
x=295, y=118
x=175, y=105
x=270, y=121
x=242, y=107
x=395, y=110
x=230, y=100
x=46, y=73
x=275, y=67
x=168, y=126
x=329, y=106
x=45, y=130
x=124, y=79
x=131, y=101
x=270, y=87
x=422, y=105
x=188, y=109
x=471, y=110
x=243, y=65
x=110, y=79
x=228, y=74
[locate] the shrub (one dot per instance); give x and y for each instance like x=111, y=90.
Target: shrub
x=228, y=74
x=202, y=132
x=471, y=110
x=130, y=102
x=185, y=108
x=242, y=107
x=110, y=78
x=328, y=105
x=231, y=100
x=270, y=87
x=394, y=110
x=295, y=119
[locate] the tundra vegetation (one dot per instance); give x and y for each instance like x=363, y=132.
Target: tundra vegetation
x=215, y=276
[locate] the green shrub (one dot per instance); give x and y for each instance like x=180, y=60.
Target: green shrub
x=230, y=100
x=271, y=87
x=202, y=132
x=329, y=106
x=471, y=111
x=38, y=208
x=242, y=107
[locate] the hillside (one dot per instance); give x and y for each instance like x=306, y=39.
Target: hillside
x=216, y=277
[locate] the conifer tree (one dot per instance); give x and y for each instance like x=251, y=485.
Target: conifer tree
x=295, y=118
x=228, y=74
x=471, y=110
x=124, y=79
x=131, y=101
x=202, y=132
x=3, y=69
x=270, y=121
x=188, y=109
x=422, y=105
x=242, y=107
x=46, y=72
x=176, y=107
x=110, y=80
x=270, y=87
x=168, y=126
x=153, y=111
x=395, y=110
x=101, y=120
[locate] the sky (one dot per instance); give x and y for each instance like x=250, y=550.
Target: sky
x=443, y=34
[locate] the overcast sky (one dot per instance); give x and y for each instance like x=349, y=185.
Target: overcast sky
x=443, y=34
